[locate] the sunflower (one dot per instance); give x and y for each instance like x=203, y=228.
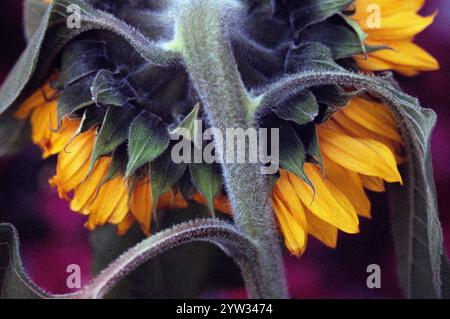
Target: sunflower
x=89, y=190
x=394, y=24
x=361, y=148
x=360, y=145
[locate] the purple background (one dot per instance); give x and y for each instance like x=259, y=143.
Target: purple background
x=52, y=237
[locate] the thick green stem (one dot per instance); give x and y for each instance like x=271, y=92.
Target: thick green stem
x=202, y=39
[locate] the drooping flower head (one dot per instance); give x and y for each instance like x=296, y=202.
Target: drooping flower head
x=107, y=113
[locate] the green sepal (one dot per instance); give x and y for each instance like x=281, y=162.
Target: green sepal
x=342, y=41
x=303, y=109
x=310, y=12
x=118, y=164
x=208, y=181
x=189, y=123
x=164, y=173
x=75, y=97
x=114, y=131
x=108, y=90
x=311, y=56
x=148, y=138
x=80, y=59
x=292, y=152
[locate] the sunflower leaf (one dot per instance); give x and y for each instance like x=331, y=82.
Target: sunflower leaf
x=14, y=282
x=148, y=138
x=207, y=180
x=33, y=12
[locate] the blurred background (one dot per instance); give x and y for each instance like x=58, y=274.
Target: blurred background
x=53, y=237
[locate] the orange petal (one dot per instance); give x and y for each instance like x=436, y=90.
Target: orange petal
x=86, y=192
x=141, y=205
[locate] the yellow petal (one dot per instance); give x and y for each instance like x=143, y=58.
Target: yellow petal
x=60, y=139
x=388, y=7
x=374, y=184
x=327, y=202
x=295, y=236
x=43, y=122
x=108, y=208
x=286, y=193
x=86, y=192
x=73, y=163
x=37, y=99
x=400, y=26
x=405, y=57
x=364, y=156
x=321, y=230
x=374, y=116
x=141, y=205
x=349, y=183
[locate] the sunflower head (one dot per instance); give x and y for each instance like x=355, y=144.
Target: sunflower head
x=107, y=98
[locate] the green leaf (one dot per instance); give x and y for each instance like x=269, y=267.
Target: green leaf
x=309, y=12
x=164, y=173
x=207, y=180
x=52, y=34
x=114, y=131
x=303, y=109
x=33, y=13
x=14, y=282
x=148, y=138
x=292, y=151
x=107, y=90
x=14, y=134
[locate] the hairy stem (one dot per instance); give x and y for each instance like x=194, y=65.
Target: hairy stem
x=202, y=38
x=219, y=233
